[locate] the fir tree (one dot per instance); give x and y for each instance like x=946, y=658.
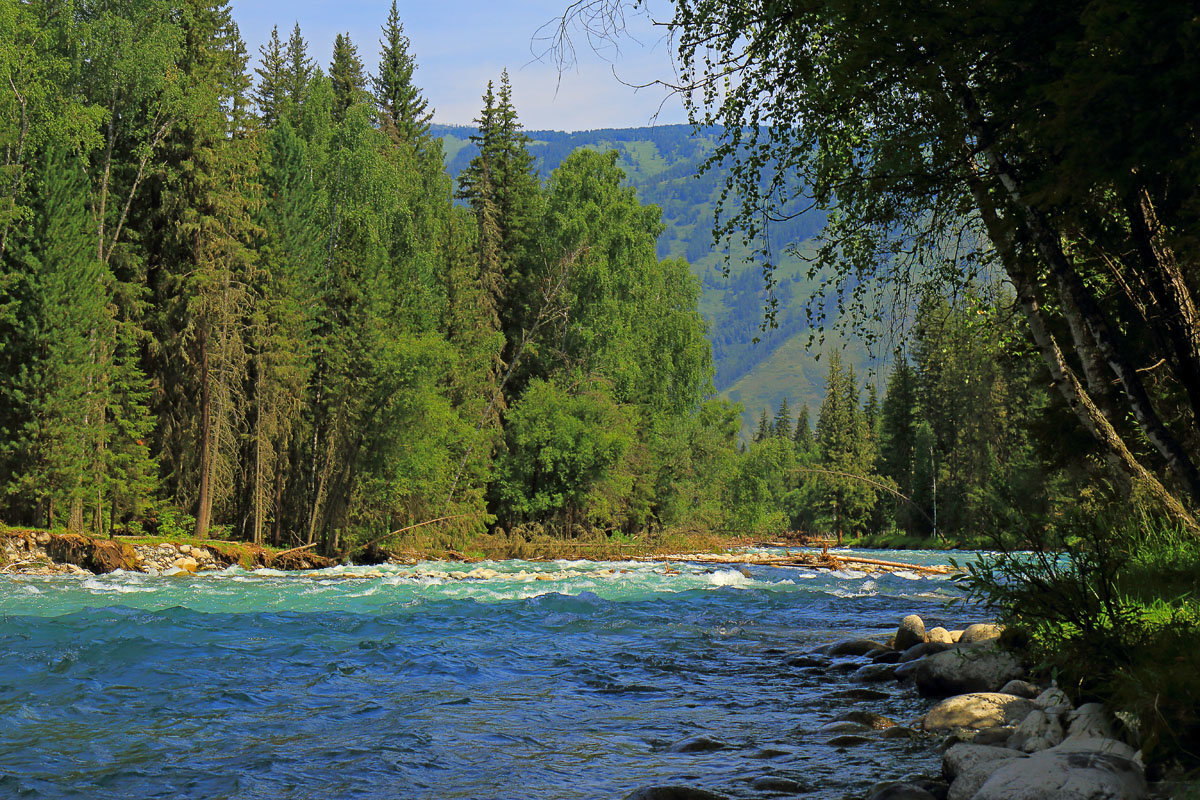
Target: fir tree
x=763, y=432
x=271, y=91
x=781, y=428
x=803, y=436
x=298, y=69
x=401, y=105
x=347, y=74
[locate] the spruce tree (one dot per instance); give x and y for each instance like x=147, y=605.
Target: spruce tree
x=897, y=432
x=803, y=436
x=348, y=76
x=781, y=428
x=401, y=105
x=763, y=432
x=271, y=91
x=298, y=69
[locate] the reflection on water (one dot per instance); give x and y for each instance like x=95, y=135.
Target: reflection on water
x=502, y=680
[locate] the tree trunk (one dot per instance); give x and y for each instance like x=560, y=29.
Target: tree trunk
x=204, y=503
x=1126, y=467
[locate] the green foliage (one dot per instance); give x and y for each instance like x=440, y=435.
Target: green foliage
x=563, y=446
x=1109, y=602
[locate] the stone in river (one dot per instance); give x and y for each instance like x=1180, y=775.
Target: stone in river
x=673, y=793
x=854, y=647
x=900, y=791
x=774, y=783
x=874, y=673
x=910, y=632
x=845, y=726
x=983, y=668
x=940, y=635
x=807, y=661
x=922, y=649
x=978, y=710
x=860, y=694
x=697, y=744
x=847, y=740
x=869, y=718
x=981, y=632
x=1037, y=731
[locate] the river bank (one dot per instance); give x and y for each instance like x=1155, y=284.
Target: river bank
x=41, y=552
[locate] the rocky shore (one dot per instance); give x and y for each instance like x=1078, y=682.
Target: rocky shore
x=1001, y=737
x=28, y=552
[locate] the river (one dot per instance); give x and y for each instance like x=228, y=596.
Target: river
x=558, y=681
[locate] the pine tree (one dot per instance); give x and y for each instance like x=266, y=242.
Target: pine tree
x=401, y=105
x=271, y=91
x=347, y=73
x=871, y=409
x=846, y=451
x=763, y=432
x=897, y=432
x=803, y=436
x=781, y=428
x=298, y=69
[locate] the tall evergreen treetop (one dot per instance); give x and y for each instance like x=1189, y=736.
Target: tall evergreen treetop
x=764, y=428
x=271, y=90
x=348, y=76
x=781, y=428
x=400, y=102
x=298, y=68
x=803, y=436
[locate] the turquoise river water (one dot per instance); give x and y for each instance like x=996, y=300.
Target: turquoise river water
x=558, y=681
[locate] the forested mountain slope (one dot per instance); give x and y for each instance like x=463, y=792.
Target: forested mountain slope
x=663, y=164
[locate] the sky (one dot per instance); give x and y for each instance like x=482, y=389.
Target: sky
x=460, y=44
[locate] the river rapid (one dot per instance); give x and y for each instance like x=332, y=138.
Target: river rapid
x=558, y=681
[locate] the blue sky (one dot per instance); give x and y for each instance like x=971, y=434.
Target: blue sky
x=461, y=44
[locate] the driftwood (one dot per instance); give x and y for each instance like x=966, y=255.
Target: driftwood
x=809, y=560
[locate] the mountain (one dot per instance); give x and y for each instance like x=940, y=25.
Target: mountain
x=663, y=164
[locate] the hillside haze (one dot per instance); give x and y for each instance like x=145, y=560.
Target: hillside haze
x=663, y=164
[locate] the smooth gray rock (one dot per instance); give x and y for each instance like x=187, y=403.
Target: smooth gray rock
x=844, y=726
x=874, y=673
x=972, y=777
x=910, y=632
x=1054, y=701
x=853, y=647
x=981, y=632
x=697, y=744
x=923, y=649
x=1053, y=775
x=1038, y=731
x=962, y=670
x=961, y=757
x=900, y=791
x=976, y=711
x=1021, y=689
x=1090, y=721
x=673, y=793
x=1096, y=744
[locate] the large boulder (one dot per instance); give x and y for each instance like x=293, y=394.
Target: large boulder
x=964, y=755
x=983, y=668
x=973, y=776
x=1090, y=720
x=1096, y=744
x=1054, y=701
x=977, y=711
x=1053, y=775
x=1038, y=731
x=910, y=632
x=922, y=649
x=981, y=632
